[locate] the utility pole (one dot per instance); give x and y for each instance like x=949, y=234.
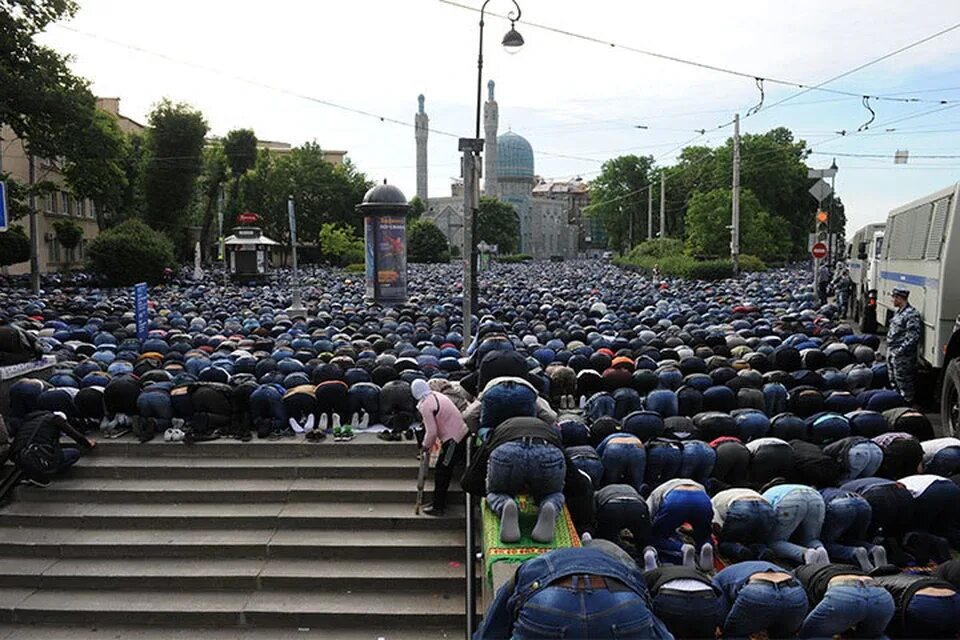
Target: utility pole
x=663, y=203
x=649, y=211
x=220, y=246
x=630, y=226
x=296, y=307
x=34, y=228
x=735, y=223
x=470, y=202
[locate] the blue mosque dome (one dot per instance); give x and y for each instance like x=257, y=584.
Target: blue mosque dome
x=514, y=157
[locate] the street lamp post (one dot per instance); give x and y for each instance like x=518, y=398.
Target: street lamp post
x=471, y=149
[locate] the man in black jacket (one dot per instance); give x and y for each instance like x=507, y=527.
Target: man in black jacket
x=36, y=446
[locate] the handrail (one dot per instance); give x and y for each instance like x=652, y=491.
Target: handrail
x=471, y=559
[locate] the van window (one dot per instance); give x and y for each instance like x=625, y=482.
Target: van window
x=879, y=249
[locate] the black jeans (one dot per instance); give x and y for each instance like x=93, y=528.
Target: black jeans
x=633, y=515
x=452, y=454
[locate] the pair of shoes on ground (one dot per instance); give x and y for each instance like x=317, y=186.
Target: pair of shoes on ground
x=390, y=436
x=568, y=402
x=361, y=420
x=343, y=434
x=173, y=434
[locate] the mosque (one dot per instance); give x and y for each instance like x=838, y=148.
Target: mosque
x=549, y=225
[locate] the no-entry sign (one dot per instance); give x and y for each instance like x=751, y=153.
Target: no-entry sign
x=819, y=250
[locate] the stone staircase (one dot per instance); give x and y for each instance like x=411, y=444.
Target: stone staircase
x=232, y=540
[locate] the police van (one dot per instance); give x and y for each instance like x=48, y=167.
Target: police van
x=921, y=253
x=863, y=257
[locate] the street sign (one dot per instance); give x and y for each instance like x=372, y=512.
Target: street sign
x=140, y=309
x=819, y=251
x=3, y=206
x=292, y=221
x=820, y=190
x=822, y=217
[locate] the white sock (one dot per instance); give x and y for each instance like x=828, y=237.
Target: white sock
x=308, y=427
x=355, y=419
x=295, y=426
x=364, y=420
x=336, y=421
x=324, y=421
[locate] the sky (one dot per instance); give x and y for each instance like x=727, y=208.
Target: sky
x=286, y=67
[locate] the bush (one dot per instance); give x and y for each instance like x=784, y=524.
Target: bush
x=710, y=270
x=750, y=263
x=455, y=251
x=356, y=267
x=14, y=246
x=69, y=232
x=515, y=257
x=130, y=253
x=338, y=245
x=426, y=243
x=679, y=266
x=658, y=248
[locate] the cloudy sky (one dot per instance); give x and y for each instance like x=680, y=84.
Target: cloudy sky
x=279, y=68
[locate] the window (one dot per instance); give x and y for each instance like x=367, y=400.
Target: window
x=67, y=203
x=93, y=209
x=81, y=208
x=53, y=251
x=51, y=203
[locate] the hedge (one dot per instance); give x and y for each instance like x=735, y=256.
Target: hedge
x=514, y=257
x=14, y=246
x=130, y=253
x=682, y=266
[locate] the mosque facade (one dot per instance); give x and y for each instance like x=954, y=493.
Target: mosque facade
x=548, y=226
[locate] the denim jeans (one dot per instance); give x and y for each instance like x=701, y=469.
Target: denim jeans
x=68, y=458
x=936, y=510
x=863, y=461
x=519, y=466
x=945, y=462
x=562, y=612
x=777, y=608
x=800, y=516
x=774, y=398
x=748, y=522
x=156, y=405
x=585, y=458
x=697, y=461
x=365, y=396
x=643, y=424
x=863, y=608
x=689, y=614
x=624, y=460
x=845, y=523
x=633, y=515
x=663, y=401
x=663, y=463
x=932, y=617
x=506, y=400
x=681, y=506
x=267, y=410
x=600, y=405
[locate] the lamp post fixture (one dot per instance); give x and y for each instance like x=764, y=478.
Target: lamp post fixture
x=471, y=149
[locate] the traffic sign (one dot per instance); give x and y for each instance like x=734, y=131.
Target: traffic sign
x=822, y=217
x=819, y=251
x=820, y=190
x=3, y=206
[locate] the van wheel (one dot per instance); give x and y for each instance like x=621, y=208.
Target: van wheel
x=950, y=400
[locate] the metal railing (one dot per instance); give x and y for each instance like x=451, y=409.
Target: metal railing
x=471, y=553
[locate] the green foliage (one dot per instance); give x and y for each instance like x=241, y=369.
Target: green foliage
x=513, y=258
x=355, y=267
x=426, y=243
x=680, y=266
x=707, y=218
x=455, y=251
x=129, y=253
x=619, y=195
x=99, y=173
x=175, y=141
x=240, y=149
x=417, y=209
x=209, y=185
x=338, y=244
x=750, y=263
x=14, y=246
x=69, y=232
x=658, y=248
x=134, y=166
x=497, y=223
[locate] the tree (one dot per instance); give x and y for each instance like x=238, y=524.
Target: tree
x=426, y=242
x=497, y=223
x=69, y=233
x=240, y=148
x=14, y=246
x=619, y=199
x=101, y=175
x=212, y=178
x=417, y=209
x=708, y=218
x=339, y=245
x=175, y=141
x=129, y=253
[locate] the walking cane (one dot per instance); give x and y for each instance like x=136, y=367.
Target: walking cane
x=421, y=479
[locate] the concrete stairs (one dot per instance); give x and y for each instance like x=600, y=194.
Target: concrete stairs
x=227, y=539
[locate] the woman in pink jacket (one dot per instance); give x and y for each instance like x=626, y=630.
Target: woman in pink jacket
x=442, y=422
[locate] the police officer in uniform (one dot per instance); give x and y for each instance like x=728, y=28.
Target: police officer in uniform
x=903, y=341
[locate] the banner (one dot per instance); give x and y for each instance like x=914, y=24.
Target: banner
x=140, y=309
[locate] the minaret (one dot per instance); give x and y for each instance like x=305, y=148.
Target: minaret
x=490, y=120
x=421, y=128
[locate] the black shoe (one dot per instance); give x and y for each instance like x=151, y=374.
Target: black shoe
x=43, y=484
x=431, y=510
x=389, y=436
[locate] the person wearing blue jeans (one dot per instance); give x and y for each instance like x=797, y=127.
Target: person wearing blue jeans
x=619, y=507
x=926, y=607
x=743, y=522
x=761, y=597
x=267, y=411
x=573, y=593
x=686, y=599
x=859, y=457
x=506, y=398
x=585, y=458
x=844, y=533
x=941, y=456
x=697, y=461
x=800, y=511
x=624, y=460
x=663, y=461
x=525, y=456
x=674, y=505
x=936, y=507
x=846, y=602
x=156, y=410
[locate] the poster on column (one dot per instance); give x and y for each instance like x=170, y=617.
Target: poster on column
x=370, y=248
x=392, y=254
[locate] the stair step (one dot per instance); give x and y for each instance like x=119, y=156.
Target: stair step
x=364, y=445
x=125, y=632
x=320, y=607
x=341, y=516
x=107, y=491
x=319, y=544
x=189, y=468
x=231, y=574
